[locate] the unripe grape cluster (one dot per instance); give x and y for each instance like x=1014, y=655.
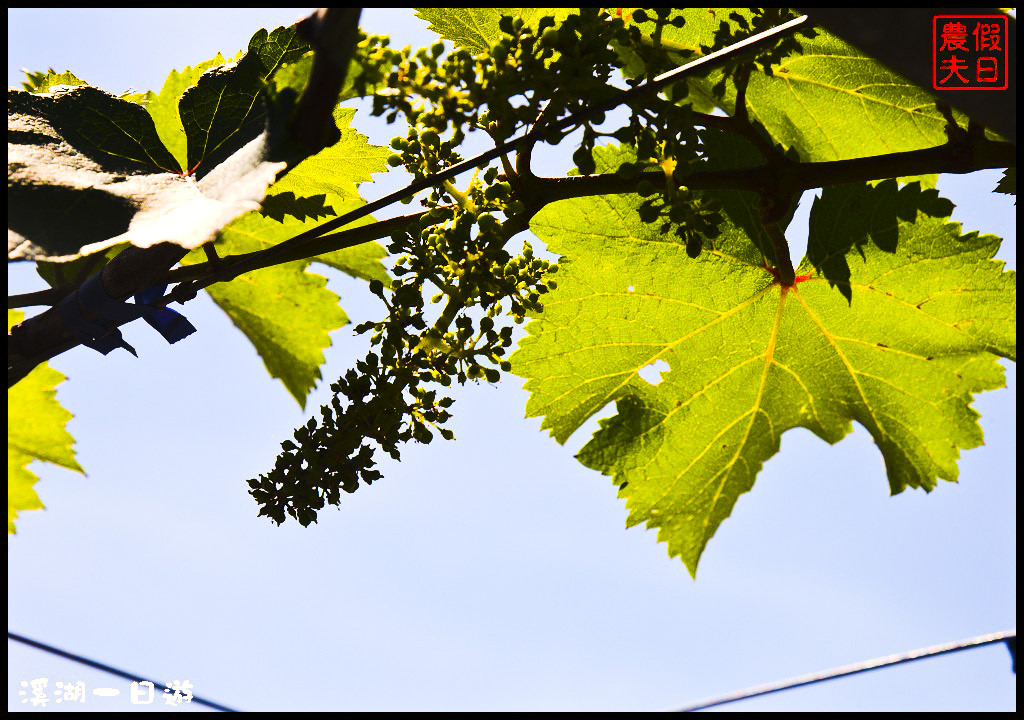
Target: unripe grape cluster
x=391, y=397
x=457, y=289
x=455, y=255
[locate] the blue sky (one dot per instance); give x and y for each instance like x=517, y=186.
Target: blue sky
x=490, y=573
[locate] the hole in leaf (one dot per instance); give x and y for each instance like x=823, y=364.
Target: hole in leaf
x=653, y=373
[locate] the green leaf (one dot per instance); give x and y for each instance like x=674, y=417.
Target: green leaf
x=682, y=45
x=727, y=151
x=846, y=217
x=88, y=171
x=476, y=29
x=35, y=431
x=749, y=360
x=293, y=75
x=223, y=111
x=71, y=189
x=1008, y=182
x=164, y=107
x=360, y=261
x=287, y=314
x=42, y=82
x=927, y=182
x=832, y=102
x=339, y=168
x=285, y=311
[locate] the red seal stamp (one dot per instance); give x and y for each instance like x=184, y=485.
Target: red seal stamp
x=969, y=52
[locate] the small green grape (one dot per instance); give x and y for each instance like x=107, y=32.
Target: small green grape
x=645, y=188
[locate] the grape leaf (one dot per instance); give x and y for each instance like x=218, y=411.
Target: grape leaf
x=66, y=193
x=360, y=261
x=116, y=134
x=39, y=82
x=750, y=360
x=683, y=44
x=164, y=107
x=287, y=314
x=88, y=171
x=285, y=311
x=831, y=101
x=339, y=168
x=222, y=112
x=476, y=29
x=873, y=216
x=1008, y=182
x=68, y=197
x=703, y=30
x=35, y=431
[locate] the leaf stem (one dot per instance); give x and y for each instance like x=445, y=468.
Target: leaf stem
x=783, y=261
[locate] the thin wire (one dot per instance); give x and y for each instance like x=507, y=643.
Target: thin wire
x=106, y=668
x=1007, y=636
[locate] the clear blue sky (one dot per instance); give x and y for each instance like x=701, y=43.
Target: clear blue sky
x=490, y=573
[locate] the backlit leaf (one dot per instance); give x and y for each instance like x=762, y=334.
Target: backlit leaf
x=831, y=101
x=476, y=29
x=749, y=360
x=223, y=112
x=339, y=168
x=164, y=107
x=1008, y=182
x=42, y=82
x=35, y=431
x=285, y=311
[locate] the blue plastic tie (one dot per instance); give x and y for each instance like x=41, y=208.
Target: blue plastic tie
x=170, y=323
x=92, y=316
